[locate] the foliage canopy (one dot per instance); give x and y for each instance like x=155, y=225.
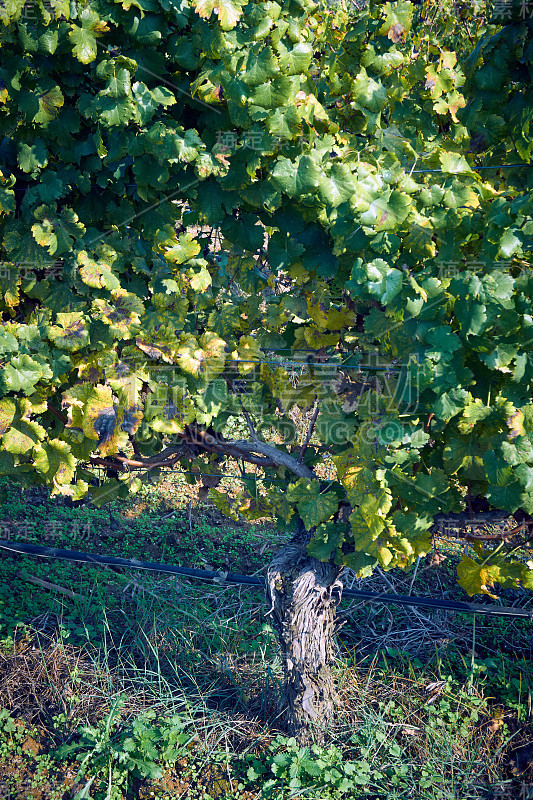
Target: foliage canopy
x=363, y=161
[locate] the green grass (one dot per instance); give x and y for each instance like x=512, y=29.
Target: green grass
x=201, y=540
x=146, y=683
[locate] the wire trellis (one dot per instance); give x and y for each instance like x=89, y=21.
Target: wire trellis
x=307, y=363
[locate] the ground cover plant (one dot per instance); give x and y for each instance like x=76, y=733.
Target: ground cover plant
x=364, y=177
x=137, y=687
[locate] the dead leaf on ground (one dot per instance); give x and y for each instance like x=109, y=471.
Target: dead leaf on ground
x=435, y=686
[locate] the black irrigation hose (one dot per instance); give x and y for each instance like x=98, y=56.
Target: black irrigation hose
x=230, y=577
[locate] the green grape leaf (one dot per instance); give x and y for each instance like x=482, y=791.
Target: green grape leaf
x=313, y=506
x=108, y=492
x=510, y=243
x=327, y=539
x=450, y=403
x=212, y=401
x=454, y=163
x=368, y=93
x=272, y=94
x=32, y=157
x=261, y=65
x=22, y=373
x=362, y=564
x=296, y=178
x=297, y=60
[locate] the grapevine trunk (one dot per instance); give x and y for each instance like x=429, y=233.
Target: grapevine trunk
x=304, y=594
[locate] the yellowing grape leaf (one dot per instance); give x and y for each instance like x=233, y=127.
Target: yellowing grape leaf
x=475, y=578
x=250, y=353
x=121, y=312
x=101, y=421
x=54, y=460
x=228, y=11
x=22, y=436
x=185, y=249
x=349, y=466
x=71, y=332
x=8, y=410
x=169, y=410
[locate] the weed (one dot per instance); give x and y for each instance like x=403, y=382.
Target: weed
x=122, y=752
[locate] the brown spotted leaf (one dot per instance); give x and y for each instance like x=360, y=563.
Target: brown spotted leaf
x=71, y=332
x=121, y=312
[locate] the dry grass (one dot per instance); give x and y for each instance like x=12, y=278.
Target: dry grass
x=41, y=674
x=414, y=630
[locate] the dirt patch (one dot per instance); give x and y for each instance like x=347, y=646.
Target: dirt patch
x=213, y=779
x=23, y=777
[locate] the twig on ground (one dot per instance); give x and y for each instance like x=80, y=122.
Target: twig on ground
x=414, y=575
x=48, y=585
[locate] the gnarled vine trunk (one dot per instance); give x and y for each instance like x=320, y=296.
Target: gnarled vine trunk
x=304, y=594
